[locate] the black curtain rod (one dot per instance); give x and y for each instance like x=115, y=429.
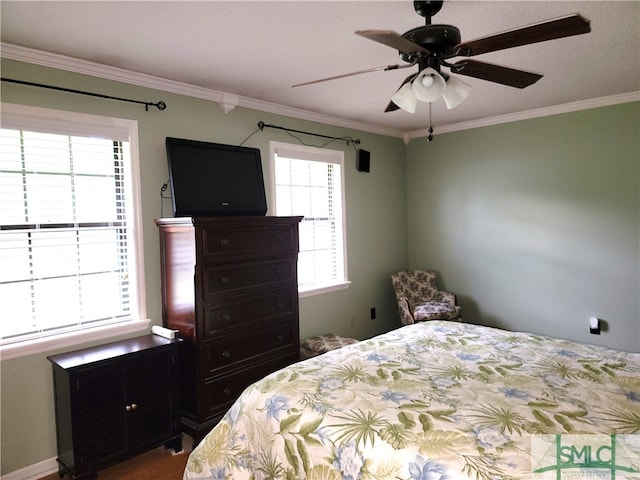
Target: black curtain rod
x=159, y=105
x=262, y=126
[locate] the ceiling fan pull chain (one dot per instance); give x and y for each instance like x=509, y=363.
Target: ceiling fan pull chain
x=430, y=137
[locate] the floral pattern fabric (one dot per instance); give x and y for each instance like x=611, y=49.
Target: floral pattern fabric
x=435, y=400
x=435, y=311
x=419, y=299
x=322, y=344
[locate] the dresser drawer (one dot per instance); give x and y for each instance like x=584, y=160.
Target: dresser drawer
x=221, y=392
x=244, y=347
x=236, y=313
x=257, y=242
x=245, y=277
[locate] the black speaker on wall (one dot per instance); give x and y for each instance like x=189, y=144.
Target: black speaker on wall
x=363, y=160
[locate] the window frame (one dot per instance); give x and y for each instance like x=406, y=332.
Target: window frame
x=15, y=116
x=327, y=156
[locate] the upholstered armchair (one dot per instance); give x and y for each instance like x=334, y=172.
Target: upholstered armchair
x=419, y=298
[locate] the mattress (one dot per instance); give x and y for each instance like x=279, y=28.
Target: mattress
x=436, y=400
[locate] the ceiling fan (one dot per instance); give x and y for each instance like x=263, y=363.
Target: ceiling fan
x=431, y=47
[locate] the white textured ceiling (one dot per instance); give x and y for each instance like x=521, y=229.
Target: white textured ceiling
x=259, y=49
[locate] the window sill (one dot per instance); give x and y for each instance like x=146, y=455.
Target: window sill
x=309, y=292
x=72, y=339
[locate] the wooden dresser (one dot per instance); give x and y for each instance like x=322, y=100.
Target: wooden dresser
x=229, y=285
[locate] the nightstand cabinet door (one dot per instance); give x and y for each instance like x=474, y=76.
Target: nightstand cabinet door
x=98, y=415
x=151, y=398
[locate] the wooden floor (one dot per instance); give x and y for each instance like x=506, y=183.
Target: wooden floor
x=157, y=464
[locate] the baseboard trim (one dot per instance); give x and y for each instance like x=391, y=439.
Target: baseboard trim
x=35, y=471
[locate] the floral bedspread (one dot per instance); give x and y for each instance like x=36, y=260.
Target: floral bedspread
x=431, y=401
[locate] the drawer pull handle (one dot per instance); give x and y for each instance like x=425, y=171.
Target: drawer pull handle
x=226, y=317
x=226, y=354
x=227, y=392
x=277, y=271
x=280, y=338
x=224, y=241
x=278, y=304
x=278, y=236
x=224, y=280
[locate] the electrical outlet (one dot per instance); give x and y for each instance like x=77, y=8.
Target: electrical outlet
x=373, y=313
x=594, y=326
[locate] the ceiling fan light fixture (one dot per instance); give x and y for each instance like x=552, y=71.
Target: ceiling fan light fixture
x=405, y=99
x=428, y=85
x=456, y=92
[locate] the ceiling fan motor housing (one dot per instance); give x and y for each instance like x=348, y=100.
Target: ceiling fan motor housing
x=440, y=40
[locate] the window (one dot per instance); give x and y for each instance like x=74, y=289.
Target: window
x=69, y=245
x=310, y=182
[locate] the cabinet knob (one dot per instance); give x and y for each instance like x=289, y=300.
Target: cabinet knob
x=134, y=406
x=277, y=272
x=225, y=317
x=224, y=280
x=224, y=241
x=278, y=304
x=128, y=408
x=227, y=392
x=226, y=354
x=278, y=236
x=280, y=338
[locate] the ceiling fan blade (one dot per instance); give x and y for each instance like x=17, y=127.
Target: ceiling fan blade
x=393, y=40
x=392, y=107
x=539, y=32
x=495, y=73
x=385, y=68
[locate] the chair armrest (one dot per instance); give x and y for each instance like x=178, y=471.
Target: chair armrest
x=405, y=311
x=446, y=297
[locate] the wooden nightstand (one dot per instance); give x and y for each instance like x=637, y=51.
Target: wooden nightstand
x=114, y=401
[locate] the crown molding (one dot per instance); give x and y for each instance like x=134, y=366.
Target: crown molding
x=70, y=64
x=75, y=65
x=529, y=114
x=84, y=67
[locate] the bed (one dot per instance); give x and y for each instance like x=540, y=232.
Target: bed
x=434, y=401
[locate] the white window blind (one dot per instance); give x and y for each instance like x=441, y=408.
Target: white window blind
x=309, y=182
x=66, y=250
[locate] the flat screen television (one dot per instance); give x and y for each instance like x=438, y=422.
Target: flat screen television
x=212, y=179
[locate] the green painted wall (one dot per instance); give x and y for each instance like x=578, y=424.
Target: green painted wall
x=535, y=224
x=376, y=228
